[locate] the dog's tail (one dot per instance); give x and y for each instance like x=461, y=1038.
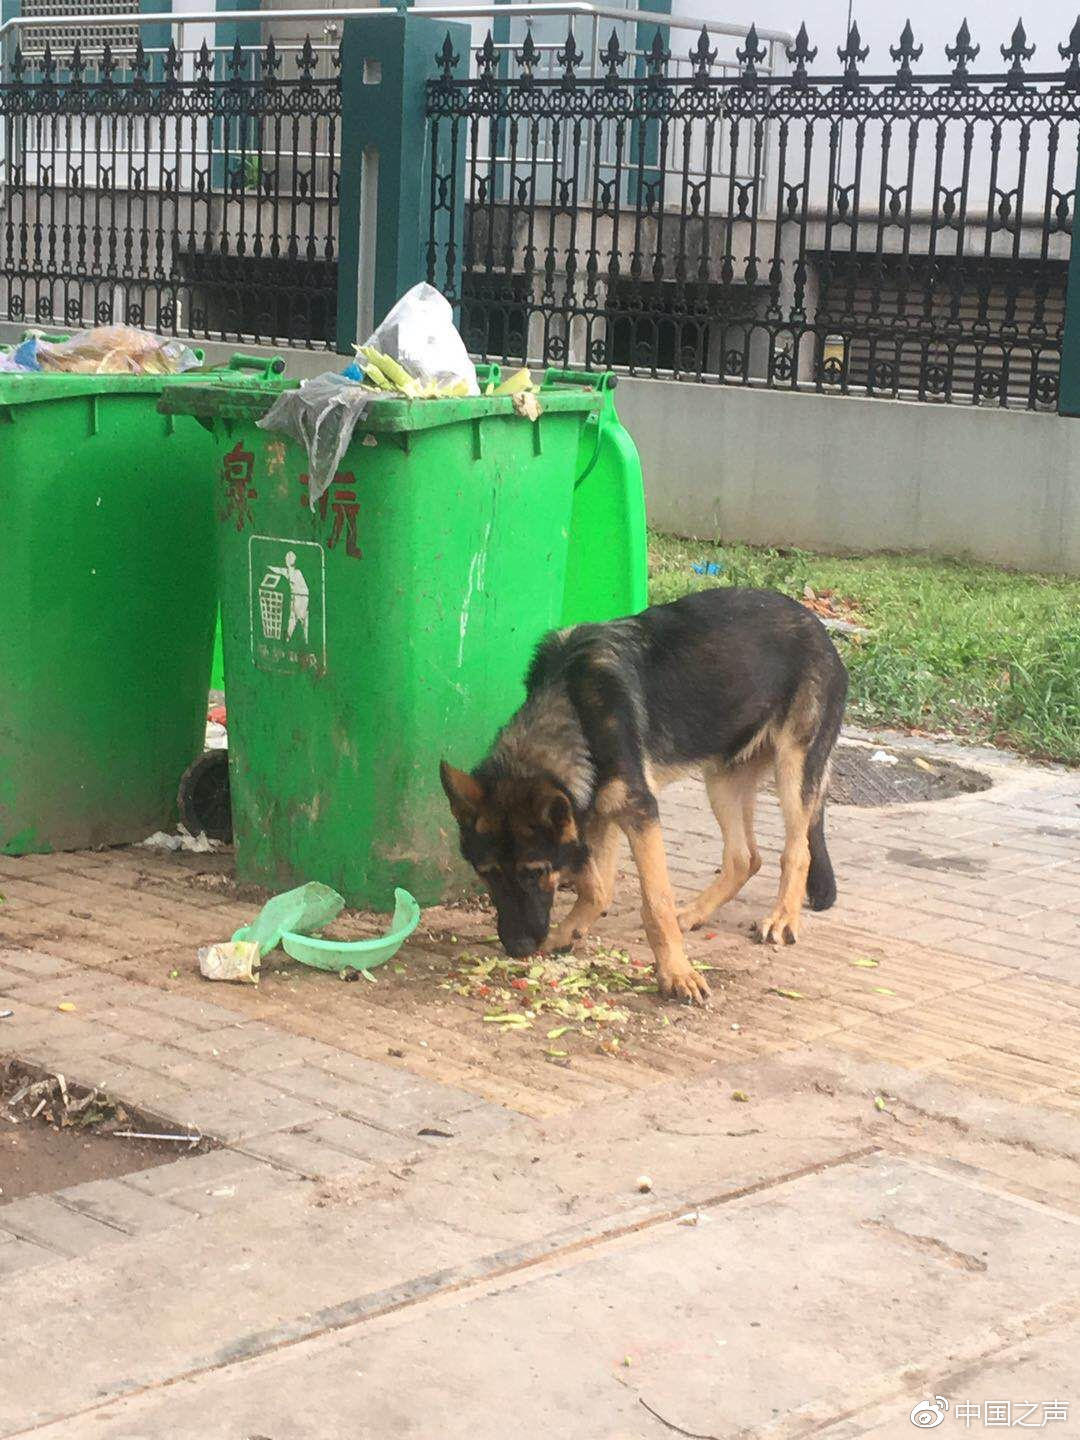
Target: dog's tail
x=820, y=881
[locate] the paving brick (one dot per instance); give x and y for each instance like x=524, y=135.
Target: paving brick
x=35, y=963
x=241, y=1191
x=87, y=991
x=335, y=1092
x=143, y=1024
x=194, y=1014
x=11, y=980
x=246, y=1108
x=216, y=1167
x=228, y=1042
x=112, y=1203
x=363, y=1141
x=23, y=1255
x=306, y=1154
x=282, y=1052
x=190, y=1071
x=42, y=1219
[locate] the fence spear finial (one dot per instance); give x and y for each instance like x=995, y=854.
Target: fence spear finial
x=703, y=56
x=905, y=53
x=852, y=53
x=799, y=54
x=961, y=53
x=1071, y=52
x=1017, y=51
x=750, y=55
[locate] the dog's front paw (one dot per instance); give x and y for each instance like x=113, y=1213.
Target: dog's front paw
x=562, y=939
x=680, y=981
x=781, y=928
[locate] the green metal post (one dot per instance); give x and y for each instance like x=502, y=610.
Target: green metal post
x=386, y=168
x=1069, y=382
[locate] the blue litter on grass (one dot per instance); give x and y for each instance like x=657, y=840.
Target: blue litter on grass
x=707, y=567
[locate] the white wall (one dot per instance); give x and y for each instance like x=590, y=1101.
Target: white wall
x=841, y=473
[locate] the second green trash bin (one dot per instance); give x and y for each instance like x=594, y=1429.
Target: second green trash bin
x=389, y=627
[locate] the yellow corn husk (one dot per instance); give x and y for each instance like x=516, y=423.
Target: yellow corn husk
x=516, y=384
x=398, y=377
x=374, y=376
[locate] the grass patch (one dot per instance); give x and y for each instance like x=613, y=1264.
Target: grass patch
x=987, y=654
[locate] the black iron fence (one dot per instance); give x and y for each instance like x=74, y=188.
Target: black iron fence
x=902, y=234
x=191, y=192
x=713, y=210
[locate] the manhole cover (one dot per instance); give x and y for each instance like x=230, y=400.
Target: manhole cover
x=896, y=778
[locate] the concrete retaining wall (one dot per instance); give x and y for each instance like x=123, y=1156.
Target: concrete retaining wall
x=839, y=473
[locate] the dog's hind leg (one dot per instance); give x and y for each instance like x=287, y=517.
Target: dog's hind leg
x=731, y=794
x=595, y=886
x=800, y=811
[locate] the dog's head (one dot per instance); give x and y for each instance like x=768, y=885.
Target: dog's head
x=520, y=835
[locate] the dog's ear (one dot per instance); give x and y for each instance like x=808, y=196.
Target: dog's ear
x=559, y=818
x=463, y=792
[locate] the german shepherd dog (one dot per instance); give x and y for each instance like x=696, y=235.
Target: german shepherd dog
x=726, y=682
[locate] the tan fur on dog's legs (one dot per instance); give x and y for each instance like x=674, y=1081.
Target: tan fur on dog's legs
x=783, y=923
x=731, y=794
x=674, y=973
x=595, y=886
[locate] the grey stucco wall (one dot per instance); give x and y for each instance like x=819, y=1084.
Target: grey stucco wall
x=842, y=473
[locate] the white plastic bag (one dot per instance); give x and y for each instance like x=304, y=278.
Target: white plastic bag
x=420, y=334
x=321, y=416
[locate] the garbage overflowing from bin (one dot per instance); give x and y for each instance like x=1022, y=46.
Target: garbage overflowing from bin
x=106, y=350
x=415, y=354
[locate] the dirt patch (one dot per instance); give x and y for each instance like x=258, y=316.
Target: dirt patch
x=53, y=1135
x=896, y=777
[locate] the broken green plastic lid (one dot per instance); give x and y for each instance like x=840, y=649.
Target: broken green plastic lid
x=357, y=954
x=308, y=907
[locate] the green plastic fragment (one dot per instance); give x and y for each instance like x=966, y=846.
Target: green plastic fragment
x=309, y=907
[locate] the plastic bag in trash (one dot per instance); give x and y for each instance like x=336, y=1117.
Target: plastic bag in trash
x=420, y=334
x=23, y=358
x=309, y=907
x=321, y=416
x=115, y=350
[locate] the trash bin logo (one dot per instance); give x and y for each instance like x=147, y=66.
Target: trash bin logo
x=271, y=606
x=288, y=611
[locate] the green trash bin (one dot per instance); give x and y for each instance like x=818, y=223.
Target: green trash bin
x=388, y=628
x=110, y=596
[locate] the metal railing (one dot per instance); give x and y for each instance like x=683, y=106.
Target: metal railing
x=901, y=234
x=189, y=187
x=684, y=201
x=193, y=192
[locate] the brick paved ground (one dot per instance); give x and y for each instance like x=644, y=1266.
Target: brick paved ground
x=968, y=1027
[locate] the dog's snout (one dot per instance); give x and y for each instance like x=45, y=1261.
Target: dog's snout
x=521, y=946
